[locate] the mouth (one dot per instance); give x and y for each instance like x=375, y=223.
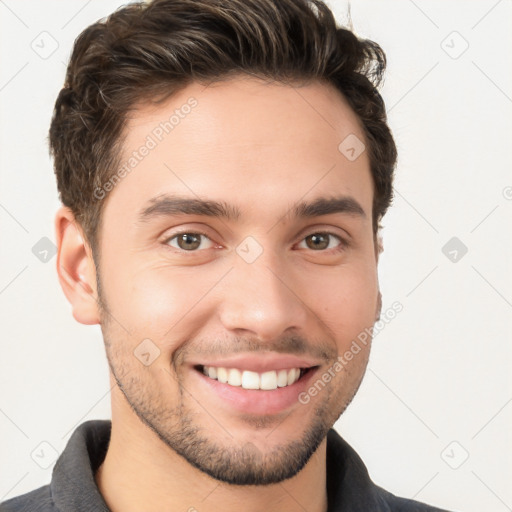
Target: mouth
x=248, y=392
x=247, y=379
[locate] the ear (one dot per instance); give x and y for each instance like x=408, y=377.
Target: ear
x=379, y=247
x=379, y=307
x=76, y=268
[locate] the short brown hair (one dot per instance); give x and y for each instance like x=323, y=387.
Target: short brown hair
x=152, y=50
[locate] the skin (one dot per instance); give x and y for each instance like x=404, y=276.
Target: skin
x=261, y=147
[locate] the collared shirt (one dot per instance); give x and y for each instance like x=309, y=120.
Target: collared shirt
x=73, y=487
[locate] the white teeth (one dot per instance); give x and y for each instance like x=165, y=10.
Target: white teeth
x=250, y=380
x=268, y=380
x=253, y=380
x=234, y=377
x=292, y=375
x=222, y=375
x=282, y=378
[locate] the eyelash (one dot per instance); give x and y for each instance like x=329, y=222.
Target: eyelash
x=344, y=244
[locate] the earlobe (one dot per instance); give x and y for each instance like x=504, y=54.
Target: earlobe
x=379, y=307
x=75, y=268
x=379, y=247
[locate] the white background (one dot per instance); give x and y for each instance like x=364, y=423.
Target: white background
x=438, y=386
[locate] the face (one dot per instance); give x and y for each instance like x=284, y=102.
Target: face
x=237, y=263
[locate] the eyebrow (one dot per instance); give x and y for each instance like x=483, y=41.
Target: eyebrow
x=325, y=206
x=170, y=205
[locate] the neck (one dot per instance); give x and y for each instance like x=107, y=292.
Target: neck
x=141, y=473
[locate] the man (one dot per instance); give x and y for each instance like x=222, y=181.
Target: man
x=224, y=166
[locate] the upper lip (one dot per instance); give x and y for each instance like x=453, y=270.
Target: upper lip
x=263, y=362
x=260, y=363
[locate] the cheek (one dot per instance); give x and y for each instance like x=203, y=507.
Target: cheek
x=158, y=301
x=168, y=303
x=346, y=301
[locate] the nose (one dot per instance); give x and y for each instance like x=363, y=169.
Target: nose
x=259, y=300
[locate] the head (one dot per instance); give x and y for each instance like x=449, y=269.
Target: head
x=224, y=167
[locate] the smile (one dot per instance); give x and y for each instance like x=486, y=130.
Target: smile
x=247, y=379
x=246, y=384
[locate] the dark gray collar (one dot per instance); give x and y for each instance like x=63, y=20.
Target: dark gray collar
x=74, y=489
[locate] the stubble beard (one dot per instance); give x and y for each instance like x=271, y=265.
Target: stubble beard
x=235, y=463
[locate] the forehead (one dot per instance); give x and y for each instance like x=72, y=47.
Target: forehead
x=252, y=141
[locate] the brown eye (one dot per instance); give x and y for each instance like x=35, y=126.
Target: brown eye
x=323, y=241
x=187, y=241
x=317, y=241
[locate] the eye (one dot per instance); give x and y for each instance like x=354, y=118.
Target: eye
x=188, y=241
x=322, y=241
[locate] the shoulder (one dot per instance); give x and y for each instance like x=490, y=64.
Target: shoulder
x=350, y=487
x=38, y=500
x=72, y=480
x=398, y=504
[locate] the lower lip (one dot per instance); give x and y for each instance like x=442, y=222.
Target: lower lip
x=256, y=401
